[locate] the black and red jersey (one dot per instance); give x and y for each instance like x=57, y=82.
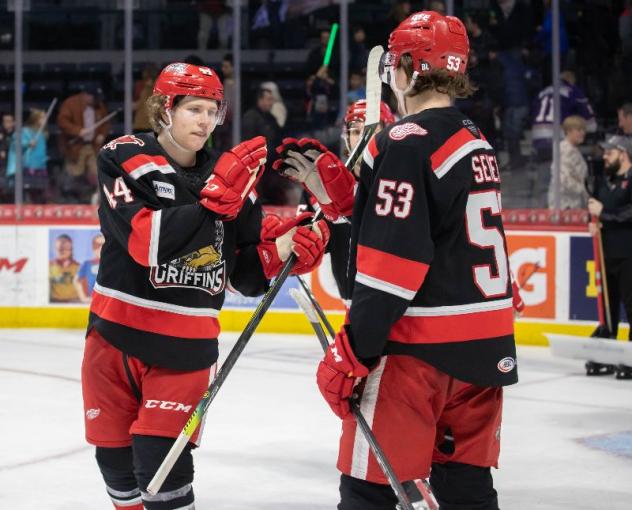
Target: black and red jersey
x=428, y=267
x=167, y=260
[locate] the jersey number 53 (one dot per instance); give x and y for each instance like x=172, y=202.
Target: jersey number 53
x=486, y=237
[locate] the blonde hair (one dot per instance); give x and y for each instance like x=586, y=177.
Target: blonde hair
x=439, y=80
x=34, y=117
x=573, y=122
x=156, y=111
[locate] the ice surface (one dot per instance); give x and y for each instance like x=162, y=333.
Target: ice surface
x=270, y=441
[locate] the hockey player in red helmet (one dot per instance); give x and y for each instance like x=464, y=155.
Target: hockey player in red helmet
x=354, y=124
x=327, y=182
x=430, y=332
x=180, y=226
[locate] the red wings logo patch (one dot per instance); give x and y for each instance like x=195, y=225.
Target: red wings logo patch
x=403, y=130
x=123, y=139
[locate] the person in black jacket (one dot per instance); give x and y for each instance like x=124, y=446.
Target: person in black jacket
x=612, y=205
x=181, y=226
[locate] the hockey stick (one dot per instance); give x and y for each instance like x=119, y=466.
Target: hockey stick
x=316, y=305
x=198, y=414
x=603, y=299
x=373, y=98
x=196, y=418
x=420, y=490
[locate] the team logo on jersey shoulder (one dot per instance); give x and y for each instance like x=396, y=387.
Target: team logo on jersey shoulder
x=403, y=130
x=506, y=365
x=123, y=140
x=202, y=269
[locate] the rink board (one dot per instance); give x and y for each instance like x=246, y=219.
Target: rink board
x=554, y=269
x=600, y=350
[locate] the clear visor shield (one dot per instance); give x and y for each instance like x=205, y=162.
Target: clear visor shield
x=352, y=133
x=386, y=68
x=221, y=112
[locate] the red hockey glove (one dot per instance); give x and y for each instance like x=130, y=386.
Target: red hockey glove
x=235, y=174
x=320, y=172
x=337, y=374
x=280, y=238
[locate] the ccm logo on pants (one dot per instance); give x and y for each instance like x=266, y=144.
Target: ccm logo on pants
x=169, y=406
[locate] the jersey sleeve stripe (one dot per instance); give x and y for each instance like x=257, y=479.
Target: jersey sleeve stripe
x=453, y=328
x=159, y=321
x=454, y=149
x=376, y=284
x=391, y=269
x=139, y=244
x=370, y=152
x=156, y=219
x=142, y=164
x=434, y=311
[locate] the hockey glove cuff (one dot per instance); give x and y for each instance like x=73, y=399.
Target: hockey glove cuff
x=338, y=373
x=279, y=239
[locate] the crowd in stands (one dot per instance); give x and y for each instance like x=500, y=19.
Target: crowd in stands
x=510, y=63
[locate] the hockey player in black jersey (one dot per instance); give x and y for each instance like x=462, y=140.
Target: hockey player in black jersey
x=430, y=333
x=181, y=226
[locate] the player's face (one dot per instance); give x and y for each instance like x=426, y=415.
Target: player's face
x=354, y=131
x=194, y=119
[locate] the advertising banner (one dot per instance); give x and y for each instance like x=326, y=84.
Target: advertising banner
x=532, y=259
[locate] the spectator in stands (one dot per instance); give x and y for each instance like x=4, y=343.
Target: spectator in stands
x=87, y=275
x=81, y=136
x=437, y=6
x=259, y=121
x=544, y=40
x=357, y=88
x=223, y=134
x=34, y=158
x=624, y=114
x=511, y=24
x=61, y=272
x=573, y=167
x=6, y=131
x=486, y=73
x=399, y=11
x=358, y=51
x=214, y=16
x=515, y=104
x=320, y=93
x=142, y=90
x=573, y=102
x=278, y=110
x=317, y=55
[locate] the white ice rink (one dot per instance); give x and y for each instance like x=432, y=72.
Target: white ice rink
x=270, y=441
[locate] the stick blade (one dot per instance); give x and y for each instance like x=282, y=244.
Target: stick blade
x=373, y=86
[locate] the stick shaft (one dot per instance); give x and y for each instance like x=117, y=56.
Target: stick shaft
x=198, y=414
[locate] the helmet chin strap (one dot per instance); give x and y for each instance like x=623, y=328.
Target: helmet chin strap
x=167, y=130
x=401, y=94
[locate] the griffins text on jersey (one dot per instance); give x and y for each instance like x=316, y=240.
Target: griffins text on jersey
x=203, y=269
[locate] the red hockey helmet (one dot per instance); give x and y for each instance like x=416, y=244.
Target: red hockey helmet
x=180, y=79
x=433, y=41
x=357, y=112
